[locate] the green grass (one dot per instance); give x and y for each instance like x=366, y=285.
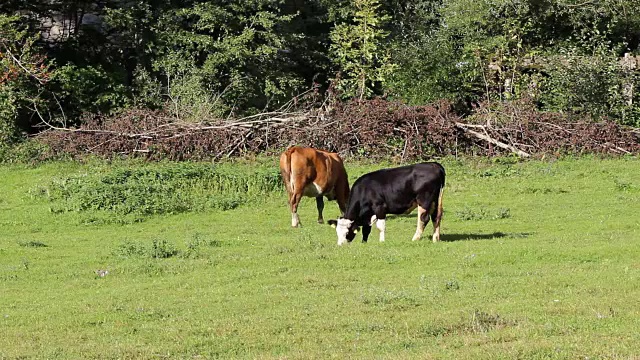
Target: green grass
x=539, y=260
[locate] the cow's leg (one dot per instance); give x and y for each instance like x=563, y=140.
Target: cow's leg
x=424, y=205
x=436, y=217
x=320, y=205
x=366, y=230
x=289, y=199
x=423, y=219
x=381, y=225
x=293, y=203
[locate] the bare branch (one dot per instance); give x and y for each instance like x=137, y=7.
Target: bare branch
x=19, y=63
x=491, y=140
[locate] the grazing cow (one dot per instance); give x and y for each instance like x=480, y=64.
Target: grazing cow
x=313, y=173
x=393, y=191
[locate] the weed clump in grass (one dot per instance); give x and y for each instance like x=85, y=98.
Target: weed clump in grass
x=158, y=249
x=195, y=244
x=482, y=322
x=544, y=190
x=125, y=195
x=129, y=249
x=34, y=244
x=622, y=185
x=452, y=285
x=478, y=322
x=163, y=249
x=469, y=214
x=390, y=299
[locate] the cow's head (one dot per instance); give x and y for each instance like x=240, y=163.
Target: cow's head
x=345, y=228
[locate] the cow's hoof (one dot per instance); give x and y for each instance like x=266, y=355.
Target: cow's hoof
x=320, y=221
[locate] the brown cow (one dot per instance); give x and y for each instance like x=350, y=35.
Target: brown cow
x=313, y=173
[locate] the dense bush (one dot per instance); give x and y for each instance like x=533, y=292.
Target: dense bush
x=8, y=129
x=591, y=85
x=29, y=151
x=563, y=54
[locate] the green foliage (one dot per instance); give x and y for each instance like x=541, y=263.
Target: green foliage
x=224, y=56
x=191, y=99
x=162, y=249
x=23, y=70
x=357, y=50
x=148, y=91
x=591, y=85
x=29, y=151
x=563, y=55
x=209, y=59
x=8, y=116
x=89, y=89
x=131, y=194
x=433, y=68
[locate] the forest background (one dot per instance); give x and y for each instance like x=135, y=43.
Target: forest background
x=68, y=64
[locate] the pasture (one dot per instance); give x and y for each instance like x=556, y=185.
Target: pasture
x=539, y=259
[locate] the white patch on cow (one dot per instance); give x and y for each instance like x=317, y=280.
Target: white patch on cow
x=381, y=225
x=295, y=220
x=373, y=220
x=312, y=190
x=342, y=229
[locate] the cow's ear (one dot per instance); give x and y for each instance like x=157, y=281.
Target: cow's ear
x=333, y=223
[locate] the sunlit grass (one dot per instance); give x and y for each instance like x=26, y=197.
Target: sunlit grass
x=539, y=260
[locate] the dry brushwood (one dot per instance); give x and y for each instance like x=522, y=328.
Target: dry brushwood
x=374, y=129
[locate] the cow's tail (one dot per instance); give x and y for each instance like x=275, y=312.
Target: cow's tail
x=285, y=169
x=439, y=213
x=439, y=209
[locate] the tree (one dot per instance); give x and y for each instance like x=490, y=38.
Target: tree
x=234, y=53
x=357, y=50
x=24, y=71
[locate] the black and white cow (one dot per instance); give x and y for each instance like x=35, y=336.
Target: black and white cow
x=393, y=191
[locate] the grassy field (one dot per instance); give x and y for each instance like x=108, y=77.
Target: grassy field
x=540, y=260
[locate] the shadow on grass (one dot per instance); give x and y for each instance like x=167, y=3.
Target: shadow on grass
x=495, y=235
x=412, y=215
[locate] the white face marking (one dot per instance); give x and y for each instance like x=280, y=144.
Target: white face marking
x=381, y=225
x=342, y=229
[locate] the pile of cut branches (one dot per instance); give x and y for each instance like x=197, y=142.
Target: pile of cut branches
x=518, y=127
x=376, y=129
